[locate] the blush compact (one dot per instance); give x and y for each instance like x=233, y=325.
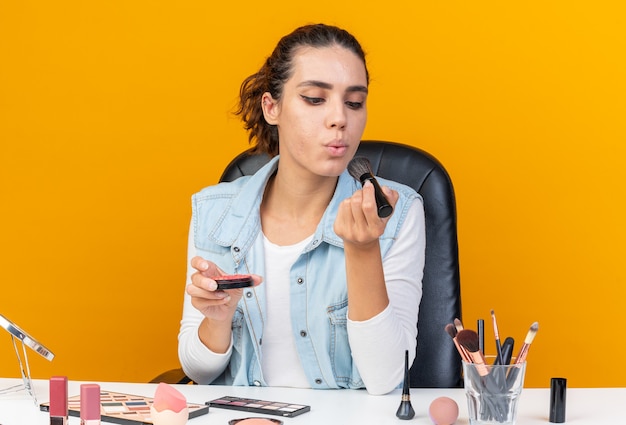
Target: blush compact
x=233, y=281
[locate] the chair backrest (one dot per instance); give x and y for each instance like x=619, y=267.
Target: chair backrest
x=437, y=363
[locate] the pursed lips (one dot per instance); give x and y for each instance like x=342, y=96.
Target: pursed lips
x=337, y=148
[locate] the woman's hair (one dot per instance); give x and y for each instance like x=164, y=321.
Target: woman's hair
x=276, y=70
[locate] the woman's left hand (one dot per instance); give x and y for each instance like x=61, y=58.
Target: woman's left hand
x=357, y=221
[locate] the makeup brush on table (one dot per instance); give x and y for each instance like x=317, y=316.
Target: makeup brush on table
x=360, y=169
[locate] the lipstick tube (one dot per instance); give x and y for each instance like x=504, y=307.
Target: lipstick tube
x=90, y=404
x=58, y=400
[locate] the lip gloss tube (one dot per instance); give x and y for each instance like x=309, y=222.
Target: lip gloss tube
x=90, y=404
x=58, y=400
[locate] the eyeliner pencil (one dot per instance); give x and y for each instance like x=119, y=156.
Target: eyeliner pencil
x=481, y=335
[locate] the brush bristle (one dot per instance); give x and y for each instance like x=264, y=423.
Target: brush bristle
x=458, y=324
x=495, y=324
x=451, y=330
x=359, y=166
x=531, y=333
x=468, y=339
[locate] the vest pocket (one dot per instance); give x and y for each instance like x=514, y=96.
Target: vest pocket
x=340, y=355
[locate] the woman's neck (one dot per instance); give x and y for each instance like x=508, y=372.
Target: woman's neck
x=293, y=207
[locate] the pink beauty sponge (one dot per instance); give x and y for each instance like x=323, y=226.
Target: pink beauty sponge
x=443, y=411
x=169, y=406
x=167, y=397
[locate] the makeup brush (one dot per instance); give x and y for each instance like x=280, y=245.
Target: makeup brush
x=451, y=330
x=479, y=372
x=500, y=374
x=458, y=325
x=523, y=352
x=405, y=410
x=499, y=357
x=360, y=169
x=507, y=350
x=468, y=339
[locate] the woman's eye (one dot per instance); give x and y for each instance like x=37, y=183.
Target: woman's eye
x=354, y=105
x=313, y=100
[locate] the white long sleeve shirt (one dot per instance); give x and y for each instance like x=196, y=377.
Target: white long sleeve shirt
x=403, y=275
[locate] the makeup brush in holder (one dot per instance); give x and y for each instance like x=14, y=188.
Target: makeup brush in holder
x=405, y=410
x=492, y=389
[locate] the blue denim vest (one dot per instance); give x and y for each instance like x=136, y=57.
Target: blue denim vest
x=226, y=225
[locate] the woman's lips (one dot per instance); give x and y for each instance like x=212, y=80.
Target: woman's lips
x=337, y=149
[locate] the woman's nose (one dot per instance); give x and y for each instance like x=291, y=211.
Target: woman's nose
x=336, y=117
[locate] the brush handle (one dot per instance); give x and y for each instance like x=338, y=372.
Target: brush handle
x=499, y=355
x=521, y=357
x=507, y=351
x=384, y=208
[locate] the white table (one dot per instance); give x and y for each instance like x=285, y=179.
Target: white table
x=335, y=407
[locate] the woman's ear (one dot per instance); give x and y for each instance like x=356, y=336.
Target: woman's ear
x=270, y=108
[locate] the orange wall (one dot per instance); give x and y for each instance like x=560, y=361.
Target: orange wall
x=113, y=113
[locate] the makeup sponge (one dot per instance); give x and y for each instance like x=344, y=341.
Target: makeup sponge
x=169, y=406
x=443, y=411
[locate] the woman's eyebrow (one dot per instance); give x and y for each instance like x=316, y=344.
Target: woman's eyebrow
x=328, y=86
x=362, y=89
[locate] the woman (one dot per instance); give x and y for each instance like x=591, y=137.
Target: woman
x=336, y=287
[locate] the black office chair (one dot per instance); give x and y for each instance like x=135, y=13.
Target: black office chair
x=437, y=363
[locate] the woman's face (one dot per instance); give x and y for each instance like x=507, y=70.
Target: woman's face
x=322, y=112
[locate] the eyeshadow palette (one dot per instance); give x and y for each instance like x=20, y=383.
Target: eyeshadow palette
x=278, y=408
x=126, y=409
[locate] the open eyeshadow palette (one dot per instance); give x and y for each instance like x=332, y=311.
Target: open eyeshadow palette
x=124, y=409
x=260, y=406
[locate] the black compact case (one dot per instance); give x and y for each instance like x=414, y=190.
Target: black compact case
x=278, y=408
x=233, y=282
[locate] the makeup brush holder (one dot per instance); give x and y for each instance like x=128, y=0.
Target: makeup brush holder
x=493, y=392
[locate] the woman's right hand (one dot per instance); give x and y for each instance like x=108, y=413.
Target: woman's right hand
x=214, y=304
